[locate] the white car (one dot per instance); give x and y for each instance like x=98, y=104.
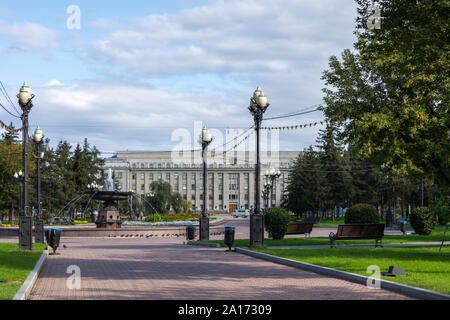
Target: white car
x=240, y=213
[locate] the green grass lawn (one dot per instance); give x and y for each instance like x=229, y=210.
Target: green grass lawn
x=426, y=269
x=15, y=266
x=435, y=236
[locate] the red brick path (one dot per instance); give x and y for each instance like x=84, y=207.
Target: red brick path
x=167, y=269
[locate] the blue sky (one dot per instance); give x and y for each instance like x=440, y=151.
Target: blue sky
x=138, y=70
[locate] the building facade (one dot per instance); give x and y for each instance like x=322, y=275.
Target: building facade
x=230, y=178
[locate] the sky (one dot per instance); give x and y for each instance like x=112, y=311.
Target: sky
x=147, y=75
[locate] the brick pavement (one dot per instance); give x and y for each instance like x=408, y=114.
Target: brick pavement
x=167, y=269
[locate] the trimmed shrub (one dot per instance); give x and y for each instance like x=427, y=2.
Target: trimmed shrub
x=362, y=213
x=422, y=221
x=276, y=222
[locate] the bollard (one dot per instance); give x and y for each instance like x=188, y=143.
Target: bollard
x=229, y=236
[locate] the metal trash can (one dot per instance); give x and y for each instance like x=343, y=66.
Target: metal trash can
x=190, y=233
x=52, y=236
x=229, y=236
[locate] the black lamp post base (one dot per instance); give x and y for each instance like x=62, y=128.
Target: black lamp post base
x=204, y=228
x=39, y=231
x=257, y=231
x=25, y=233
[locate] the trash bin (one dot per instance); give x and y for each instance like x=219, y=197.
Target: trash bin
x=52, y=236
x=229, y=236
x=190, y=233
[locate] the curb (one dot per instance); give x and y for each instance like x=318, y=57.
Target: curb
x=25, y=290
x=203, y=244
x=413, y=292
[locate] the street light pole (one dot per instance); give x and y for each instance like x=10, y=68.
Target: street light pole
x=258, y=105
x=25, y=221
x=272, y=175
x=39, y=223
x=205, y=140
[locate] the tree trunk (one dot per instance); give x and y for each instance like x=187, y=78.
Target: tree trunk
x=443, y=239
x=332, y=214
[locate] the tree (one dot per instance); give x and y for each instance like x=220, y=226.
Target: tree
x=162, y=196
x=391, y=95
x=187, y=206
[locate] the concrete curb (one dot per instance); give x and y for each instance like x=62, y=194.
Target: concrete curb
x=25, y=290
x=203, y=244
x=406, y=290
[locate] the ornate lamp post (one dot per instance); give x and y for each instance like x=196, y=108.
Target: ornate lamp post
x=25, y=221
x=19, y=176
x=258, y=105
x=39, y=222
x=266, y=194
x=272, y=176
x=204, y=140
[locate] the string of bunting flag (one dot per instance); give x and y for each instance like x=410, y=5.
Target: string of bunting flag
x=4, y=126
x=296, y=127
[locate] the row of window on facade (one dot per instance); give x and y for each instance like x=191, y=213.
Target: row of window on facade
x=194, y=166
x=233, y=187
x=232, y=176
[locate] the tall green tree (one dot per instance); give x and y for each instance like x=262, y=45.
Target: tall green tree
x=391, y=95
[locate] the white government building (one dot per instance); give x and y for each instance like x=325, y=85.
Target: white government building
x=231, y=176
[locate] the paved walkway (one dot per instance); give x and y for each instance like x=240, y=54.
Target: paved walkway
x=167, y=269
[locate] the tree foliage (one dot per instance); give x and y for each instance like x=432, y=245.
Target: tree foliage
x=391, y=95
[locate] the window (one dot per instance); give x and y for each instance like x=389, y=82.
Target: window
x=151, y=165
x=211, y=175
x=167, y=176
x=232, y=197
x=119, y=175
x=193, y=166
x=246, y=186
x=210, y=186
x=220, y=186
x=281, y=187
x=185, y=196
x=246, y=196
x=120, y=185
x=142, y=176
x=184, y=187
x=134, y=187
x=211, y=197
x=246, y=175
x=142, y=187
x=176, y=175
x=220, y=197
x=211, y=166
x=201, y=176
x=134, y=165
x=193, y=177
x=176, y=187
x=133, y=176
x=159, y=176
x=168, y=166
x=151, y=176
x=193, y=187
x=142, y=166
x=175, y=165
x=184, y=165
x=159, y=165
x=184, y=176
x=193, y=197
x=220, y=175
x=220, y=165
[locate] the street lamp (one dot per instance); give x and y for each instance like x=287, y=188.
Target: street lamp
x=39, y=223
x=272, y=176
x=25, y=223
x=266, y=193
x=204, y=140
x=258, y=105
x=18, y=176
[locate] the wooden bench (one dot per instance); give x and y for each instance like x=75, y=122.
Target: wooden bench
x=313, y=220
x=300, y=228
x=358, y=231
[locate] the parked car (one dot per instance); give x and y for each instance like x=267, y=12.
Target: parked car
x=240, y=213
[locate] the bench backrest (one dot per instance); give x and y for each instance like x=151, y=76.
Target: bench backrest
x=360, y=230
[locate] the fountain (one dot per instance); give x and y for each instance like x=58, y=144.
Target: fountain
x=109, y=216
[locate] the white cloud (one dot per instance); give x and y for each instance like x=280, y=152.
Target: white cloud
x=227, y=36
x=27, y=37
